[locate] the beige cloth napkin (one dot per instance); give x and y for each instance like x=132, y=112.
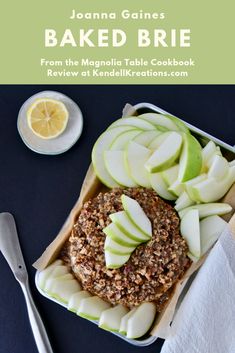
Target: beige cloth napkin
x=205, y=321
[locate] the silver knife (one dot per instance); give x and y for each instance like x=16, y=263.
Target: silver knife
x=10, y=248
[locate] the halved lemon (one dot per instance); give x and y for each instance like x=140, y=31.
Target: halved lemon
x=47, y=117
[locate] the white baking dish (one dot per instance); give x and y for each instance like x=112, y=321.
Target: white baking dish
x=203, y=137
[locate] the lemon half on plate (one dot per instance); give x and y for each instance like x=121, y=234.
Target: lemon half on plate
x=49, y=122
x=47, y=117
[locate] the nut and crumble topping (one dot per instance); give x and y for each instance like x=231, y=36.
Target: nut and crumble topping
x=153, y=268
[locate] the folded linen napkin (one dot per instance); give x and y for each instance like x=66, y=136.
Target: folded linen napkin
x=205, y=320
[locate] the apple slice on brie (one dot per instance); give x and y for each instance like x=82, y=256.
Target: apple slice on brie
x=137, y=215
x=113, y=261
x=116, y=248
x=124, y=223
x=119, y=237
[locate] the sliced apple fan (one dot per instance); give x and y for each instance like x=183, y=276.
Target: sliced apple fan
x=202, y=234
x=158, y=151
x=128, y=229
x=59, y=283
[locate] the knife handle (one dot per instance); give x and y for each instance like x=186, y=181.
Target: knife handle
x=39, y=332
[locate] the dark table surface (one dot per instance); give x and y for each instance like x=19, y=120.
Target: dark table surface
x=40, y=191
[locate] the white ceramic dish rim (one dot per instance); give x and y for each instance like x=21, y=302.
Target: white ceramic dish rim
x=73, y=142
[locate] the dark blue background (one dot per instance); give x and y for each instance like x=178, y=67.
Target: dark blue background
x=40, y=191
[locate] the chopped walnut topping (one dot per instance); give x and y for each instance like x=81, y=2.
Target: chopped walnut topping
x=153, y=268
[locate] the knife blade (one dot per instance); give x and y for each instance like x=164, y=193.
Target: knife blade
x=10, y=248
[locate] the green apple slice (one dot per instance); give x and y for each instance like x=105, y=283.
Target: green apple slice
x=190, y=159
x=158, y=140
x=122, y=140
x=232, y=163
x=190, y=230
x=110, y=319
x=116, y=165
x=57, y=271
x=52, y=280
x=133, y=121
x=210, y=230
x=123, y=324
x=181, y=125
x=177, y=188
x=208, y=152
x=92, y=307
x=113, y=261
x=124, y=223
x=166, y=154
x=183, y=201
x=159, y=120
x=216, y=153
x=76, y=299
x=114, y=247
x=219, y=168
x=170, y=175
x=136, y=157
x=145, y=137
x=160, y=186
x=141, y=320
x=102, y=144
x=118, y=236
x=63, y=289
x=44, y=274
x=209, y=209
x=190, y=184
x=211, y=190
x=137, y=215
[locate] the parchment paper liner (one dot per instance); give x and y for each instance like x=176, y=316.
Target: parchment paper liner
x=90, y=188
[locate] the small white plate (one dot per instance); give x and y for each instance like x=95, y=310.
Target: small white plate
x=59, y=144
